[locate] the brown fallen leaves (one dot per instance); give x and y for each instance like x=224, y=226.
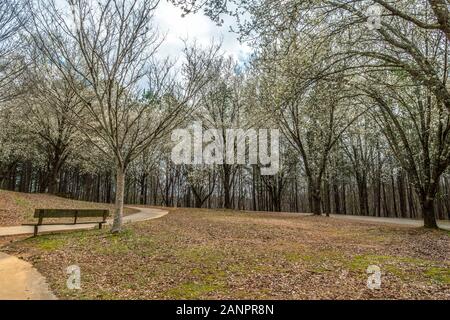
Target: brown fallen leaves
x=210, y=254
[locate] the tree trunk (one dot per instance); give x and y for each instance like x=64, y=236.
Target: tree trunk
x=429, y=218
x=363, y=197
x=120, y=188
x=344, y=199
x=316, y=204
x=226, y=187
x=394, y=198
x=337, y=200
x=314, y=196
x=143, y=187
x=254, y=187
x=401, y=193
x=198, y=201
x=327, y=198
x=53, y=181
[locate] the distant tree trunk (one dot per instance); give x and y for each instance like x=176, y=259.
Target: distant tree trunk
x=385, y=202
x=143, y=187
x=377, y=182
x=344, y=199
x=254, y=177
x=337, y=200
x=412, y=208
x=363, y=197
x=327, y=198
x=393, y=195
x=227, y=186
x=401, y=192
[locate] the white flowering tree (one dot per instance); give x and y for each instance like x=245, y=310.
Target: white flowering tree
x=109, y=46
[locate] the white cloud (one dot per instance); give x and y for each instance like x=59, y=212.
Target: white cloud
x=196, y=27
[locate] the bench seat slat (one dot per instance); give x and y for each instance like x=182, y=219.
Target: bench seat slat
x=70, y=213
x=64, y=224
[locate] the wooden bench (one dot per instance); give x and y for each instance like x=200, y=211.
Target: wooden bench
x=40, y=214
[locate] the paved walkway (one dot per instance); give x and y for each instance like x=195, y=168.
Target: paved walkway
x=20, y=281
x=395, y=221
x=142, y=215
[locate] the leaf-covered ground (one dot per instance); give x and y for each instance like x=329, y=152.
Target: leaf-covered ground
x=17, y=208
x=206, y=254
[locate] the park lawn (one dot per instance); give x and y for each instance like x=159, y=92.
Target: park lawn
x=17, y=208
x=212, y=254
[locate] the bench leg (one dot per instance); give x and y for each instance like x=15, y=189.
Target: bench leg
x=35, y=230
x=100, y=225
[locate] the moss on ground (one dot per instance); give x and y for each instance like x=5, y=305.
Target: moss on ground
x=439, y=274
x=193, y=290
x=47, y=242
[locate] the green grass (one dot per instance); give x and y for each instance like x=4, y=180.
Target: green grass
x=439, y=274
x=192, y=290
x=48, y=243
x=402, y=267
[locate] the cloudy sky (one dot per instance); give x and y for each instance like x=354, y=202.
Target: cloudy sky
x=195, y=26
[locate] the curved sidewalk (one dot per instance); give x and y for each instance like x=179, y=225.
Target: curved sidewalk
x=20, y=281
x=143, y=215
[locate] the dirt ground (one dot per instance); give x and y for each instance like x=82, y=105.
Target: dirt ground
x=211, y=254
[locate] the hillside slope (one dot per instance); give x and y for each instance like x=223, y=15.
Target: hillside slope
x=17, y=208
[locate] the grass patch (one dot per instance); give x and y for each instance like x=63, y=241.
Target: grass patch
x=121, y=243
x=311, y=258
x=47, y=242
x=361, y=262
x=193, y=290
x=201, y=255
x=439, y=274
x=204, y=284
x=406, y=268
x=51, y=244
x=447, y=232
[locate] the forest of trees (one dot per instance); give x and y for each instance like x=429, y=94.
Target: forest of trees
x=362, y=103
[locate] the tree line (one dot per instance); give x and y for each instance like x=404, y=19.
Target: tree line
x=87, y=106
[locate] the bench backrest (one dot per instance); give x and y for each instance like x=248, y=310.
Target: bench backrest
x=70, y=213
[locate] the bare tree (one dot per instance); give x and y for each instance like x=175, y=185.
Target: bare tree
x=110, y=47
x=417, y=128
